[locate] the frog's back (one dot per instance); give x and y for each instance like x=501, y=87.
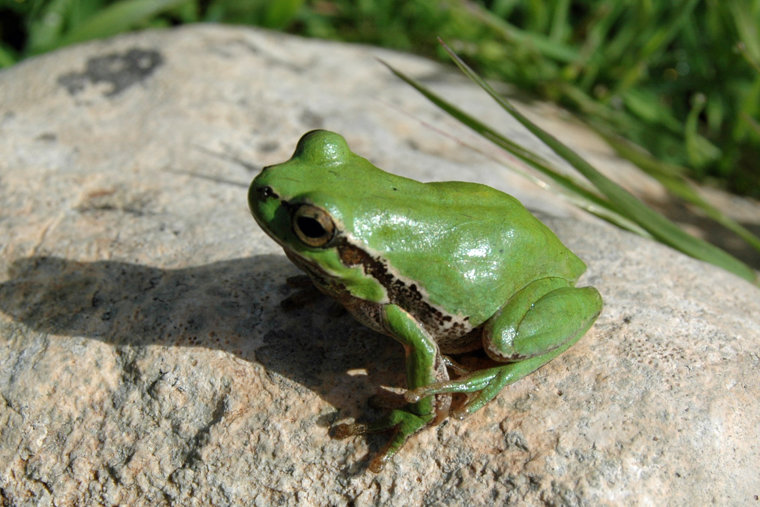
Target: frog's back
x=470, y=247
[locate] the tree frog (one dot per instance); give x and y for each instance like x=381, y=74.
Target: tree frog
x=443, y=268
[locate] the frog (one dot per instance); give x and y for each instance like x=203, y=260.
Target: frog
x=444, y=268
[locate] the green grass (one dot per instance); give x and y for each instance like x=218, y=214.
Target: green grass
x=607, y=199
x=680, y=79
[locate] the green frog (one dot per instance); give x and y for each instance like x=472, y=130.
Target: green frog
x=444, y=268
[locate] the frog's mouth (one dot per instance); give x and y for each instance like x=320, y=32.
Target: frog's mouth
x=326, y=283
x=311, y=268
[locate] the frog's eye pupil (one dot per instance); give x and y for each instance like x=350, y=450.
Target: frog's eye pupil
x=313, y=225
x=310, y=227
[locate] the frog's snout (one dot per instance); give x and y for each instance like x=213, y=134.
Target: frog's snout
x=259, y=194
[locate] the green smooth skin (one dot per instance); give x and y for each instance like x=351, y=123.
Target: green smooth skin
x=443, y=267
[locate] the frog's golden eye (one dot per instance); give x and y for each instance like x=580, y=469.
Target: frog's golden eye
x=313, y=225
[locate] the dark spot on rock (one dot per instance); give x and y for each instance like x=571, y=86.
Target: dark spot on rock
x=120, y=70
x=47, y=137
x=312, y=119
x=268, y=146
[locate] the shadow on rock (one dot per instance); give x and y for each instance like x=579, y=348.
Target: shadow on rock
x=229, y=305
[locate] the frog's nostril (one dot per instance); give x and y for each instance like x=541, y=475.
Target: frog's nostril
x=265, y=193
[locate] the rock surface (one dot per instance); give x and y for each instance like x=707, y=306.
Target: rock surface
x=144, y=357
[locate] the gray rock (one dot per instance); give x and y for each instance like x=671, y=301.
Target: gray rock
x=144, y=357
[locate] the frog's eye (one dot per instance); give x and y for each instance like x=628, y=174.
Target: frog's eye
x=313, y=225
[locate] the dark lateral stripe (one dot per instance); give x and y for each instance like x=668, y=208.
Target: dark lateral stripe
x=406, y=296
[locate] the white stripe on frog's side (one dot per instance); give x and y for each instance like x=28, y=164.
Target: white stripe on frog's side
x=401, y=290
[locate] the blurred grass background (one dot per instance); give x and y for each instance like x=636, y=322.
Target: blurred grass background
x=672, y=86
x=681, y=78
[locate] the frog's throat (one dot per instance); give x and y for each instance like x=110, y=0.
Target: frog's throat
x=400, y=291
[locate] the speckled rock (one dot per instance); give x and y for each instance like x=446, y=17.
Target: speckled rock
x=144, y=356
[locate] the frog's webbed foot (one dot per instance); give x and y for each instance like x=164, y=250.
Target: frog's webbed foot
x=423, y=367
x=377, y=463
x=472, y=383
x=483, y=385
x=401, y=423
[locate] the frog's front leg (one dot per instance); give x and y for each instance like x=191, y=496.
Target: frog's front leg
x=537, y=324
x=424, y=366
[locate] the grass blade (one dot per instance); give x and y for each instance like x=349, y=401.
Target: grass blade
x=678, y=186
x=7, y=56
x=571, y=189
x=619, y=199
x=117, y=18
x=546, y=46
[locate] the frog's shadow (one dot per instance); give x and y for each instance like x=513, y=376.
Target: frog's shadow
x=231, y=305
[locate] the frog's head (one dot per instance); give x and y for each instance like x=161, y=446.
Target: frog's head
x=309, y=203
x=300, y=202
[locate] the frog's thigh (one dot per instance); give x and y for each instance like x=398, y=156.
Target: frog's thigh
x=543, y=316
x=535, y=326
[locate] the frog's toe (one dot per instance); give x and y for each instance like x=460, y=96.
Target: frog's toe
x=414, y=395
x=345, y=430
x=459, y=413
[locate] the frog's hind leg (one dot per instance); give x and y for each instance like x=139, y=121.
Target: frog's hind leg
x=536, y=325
